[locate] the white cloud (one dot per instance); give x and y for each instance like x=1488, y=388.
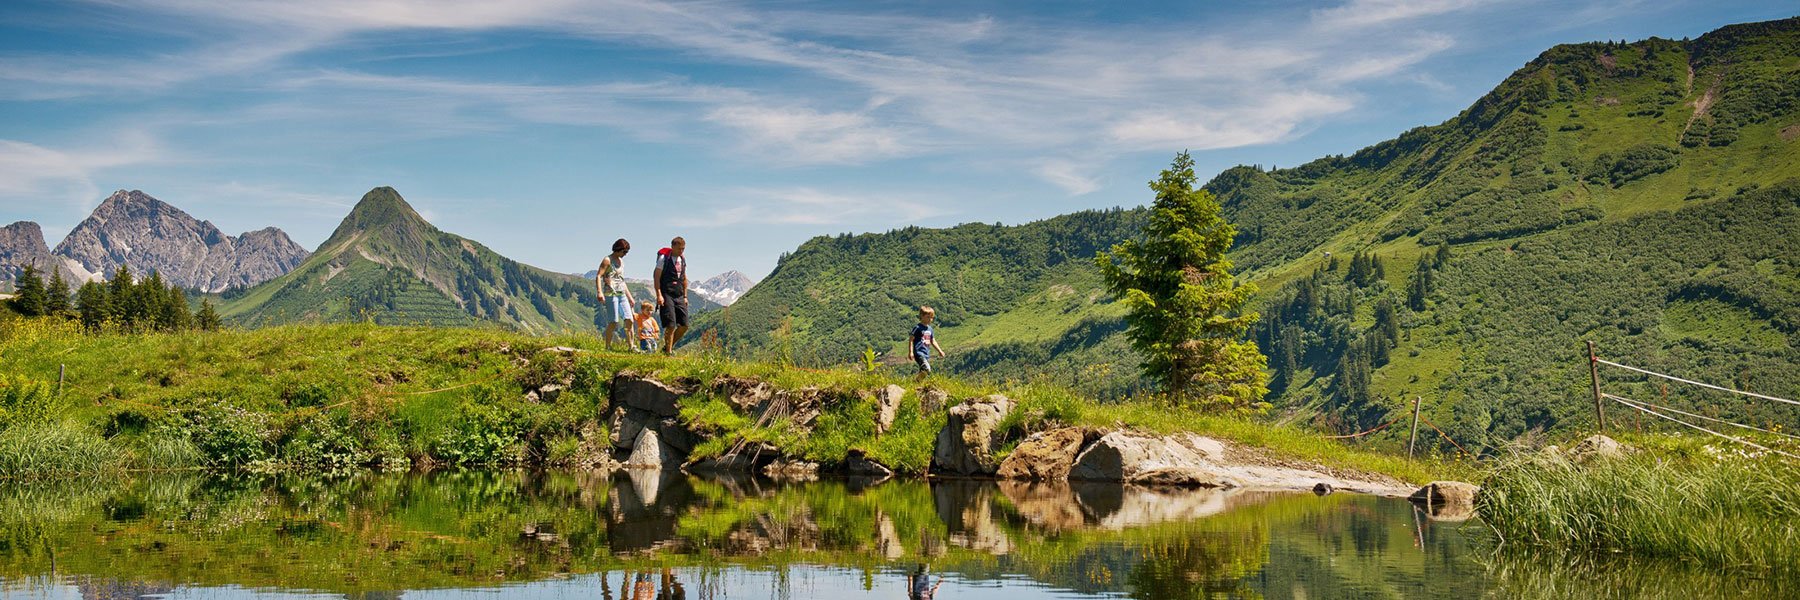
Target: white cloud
x=1369, y=13
x=926, y=85
x=804, y=136
x=1069, y=175
x=31, y=174
x=813, y=207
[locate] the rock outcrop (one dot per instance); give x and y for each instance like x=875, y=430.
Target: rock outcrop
x=22, y=244
x=887, y=407
x=966, y=444
x=1447, y=500
x=644, y=408
x=1132, y=457
x=142, y=233
x=1046, y=455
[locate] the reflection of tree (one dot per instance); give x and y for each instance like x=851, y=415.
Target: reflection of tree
x=1202, y=565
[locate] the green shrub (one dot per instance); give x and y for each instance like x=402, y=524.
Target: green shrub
x=480, y=434
x=229, y=436
x=24, y=401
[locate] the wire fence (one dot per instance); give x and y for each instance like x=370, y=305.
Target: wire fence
x=1688, y=418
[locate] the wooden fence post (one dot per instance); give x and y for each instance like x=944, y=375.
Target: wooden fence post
x=1413, y=438
x=1594, y=373
x=61, y=370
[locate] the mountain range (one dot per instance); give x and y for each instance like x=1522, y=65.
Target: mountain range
x=134, y=230
x=1634, y=194
x=722, y=289
x=386, y=263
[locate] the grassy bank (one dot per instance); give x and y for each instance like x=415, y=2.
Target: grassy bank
x=362, y=395
x=1676, y=498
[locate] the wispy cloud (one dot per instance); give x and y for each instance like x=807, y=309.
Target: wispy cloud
x=925, y=85
x=1071, y=176
x=811, y=206
x=30, y=173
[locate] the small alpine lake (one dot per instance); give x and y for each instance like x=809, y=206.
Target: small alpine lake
x=644, y=534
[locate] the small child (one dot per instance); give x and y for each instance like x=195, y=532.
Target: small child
x=646, y=326
x=923, y=342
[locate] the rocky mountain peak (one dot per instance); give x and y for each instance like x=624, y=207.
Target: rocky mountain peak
x=381, y=210
x=137, y=231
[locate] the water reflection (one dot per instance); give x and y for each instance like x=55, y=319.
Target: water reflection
x=644, y=534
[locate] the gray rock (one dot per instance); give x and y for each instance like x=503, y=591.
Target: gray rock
x=22, y=244
x=1596, y=447
x=1124, y=456
x=932, y=399
x=1045, y=456
x=747, y=396
x=1446, y=493
x=887, y=407
x=1183, y=476
x=142, y=233
x=648, y=452
x=966, y=444
x=646, y=394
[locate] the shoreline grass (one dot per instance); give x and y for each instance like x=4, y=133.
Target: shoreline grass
x=344, y=396
x=1723, y=511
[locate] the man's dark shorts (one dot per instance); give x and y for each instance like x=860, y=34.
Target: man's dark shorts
x=673, y=312
x=924, y=360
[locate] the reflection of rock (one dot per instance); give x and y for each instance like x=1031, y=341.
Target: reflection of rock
x=643, y=510
x=792, y=470
x=1058, y=506
x=887, y=407
x=1047, y=504
x=1046, y=455
x=966, y=444
x=887, y=538
x=1447, y=500
x=967, y=509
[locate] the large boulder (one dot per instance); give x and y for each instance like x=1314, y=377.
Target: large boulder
x=646, y=394
x=1127, y=456
x=966, y=444
x=1192, y=476
x=932, y=399
x=1046, y=455
x=648, y=452
x=1447, y=498
x=1596, y=447
x=887, y=407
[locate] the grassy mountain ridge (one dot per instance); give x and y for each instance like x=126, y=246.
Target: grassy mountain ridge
x=385, y=262
x=1538, y=195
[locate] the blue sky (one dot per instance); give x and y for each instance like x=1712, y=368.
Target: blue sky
x=547, y=128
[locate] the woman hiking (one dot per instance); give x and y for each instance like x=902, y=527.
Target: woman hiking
x=615, y=296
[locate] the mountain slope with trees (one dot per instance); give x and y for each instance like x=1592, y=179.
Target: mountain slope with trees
x=1635, y=194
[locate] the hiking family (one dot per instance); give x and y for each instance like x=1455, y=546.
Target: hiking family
x=669, y=284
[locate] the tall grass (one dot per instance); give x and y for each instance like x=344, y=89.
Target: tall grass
x=1730, y=513
x=31, y=450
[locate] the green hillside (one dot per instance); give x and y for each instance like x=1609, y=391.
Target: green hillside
x=386, y=263
x=1634, y=194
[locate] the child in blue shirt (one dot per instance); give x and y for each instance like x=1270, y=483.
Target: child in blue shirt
x=923, y=342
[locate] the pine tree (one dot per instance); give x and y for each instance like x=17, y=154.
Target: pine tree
x=208, y=318
x=119, y=292
x=93, y=303
x=57, y=300
x=1387, y=320
x=29, y=295
x=1183, y=305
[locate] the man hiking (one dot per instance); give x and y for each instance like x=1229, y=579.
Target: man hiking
x=670, y=283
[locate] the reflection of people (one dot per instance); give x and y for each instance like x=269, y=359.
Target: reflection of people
x=644, y=589
x=919, y=586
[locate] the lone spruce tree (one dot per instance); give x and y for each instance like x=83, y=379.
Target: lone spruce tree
x=1183, y=303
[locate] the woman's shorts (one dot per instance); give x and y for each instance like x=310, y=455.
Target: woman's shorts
x=618, y=310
